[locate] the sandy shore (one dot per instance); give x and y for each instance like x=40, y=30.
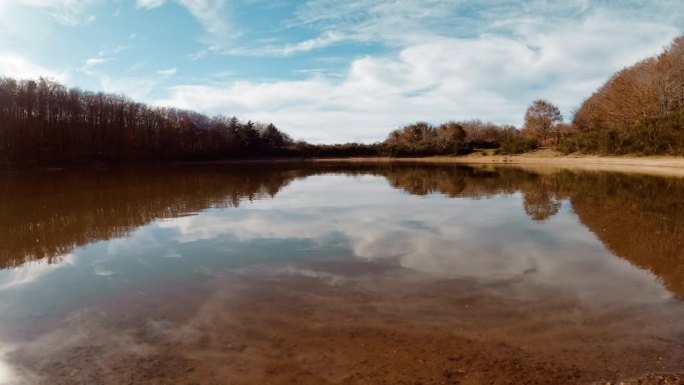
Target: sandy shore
x=662, y=165
x=351, y=323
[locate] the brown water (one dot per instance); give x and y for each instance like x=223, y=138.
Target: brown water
x=333, y=274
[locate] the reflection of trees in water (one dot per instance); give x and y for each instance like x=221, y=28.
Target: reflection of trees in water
x=639, y=218
x=46, y=214
x=540, y=205
x=459, y=181
x=540, y=201
x=419, y=181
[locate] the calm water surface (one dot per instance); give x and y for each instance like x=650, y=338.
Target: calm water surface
x=336, y=274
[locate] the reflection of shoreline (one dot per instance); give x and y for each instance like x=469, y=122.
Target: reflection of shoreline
x=46, y=214
x=665, y=166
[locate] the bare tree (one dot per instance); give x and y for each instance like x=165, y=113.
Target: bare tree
x=43, y=121
x=543, y=118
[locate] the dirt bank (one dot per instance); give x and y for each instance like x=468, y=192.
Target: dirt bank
x=670, y=166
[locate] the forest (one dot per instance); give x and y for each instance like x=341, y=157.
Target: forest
x=43, y=121
x=639, y=110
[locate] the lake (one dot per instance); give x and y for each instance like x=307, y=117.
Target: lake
x=340, y=274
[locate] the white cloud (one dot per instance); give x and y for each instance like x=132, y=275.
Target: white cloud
x=149, y=4
x=167, y=73
x=93, y=62
x=17, y=66
x=324, y=40
x=69, y=12
x=489, y=64
x=211, y=14
x=138, y=88
x=387, y=21
x=493, y=77
x=406, y=22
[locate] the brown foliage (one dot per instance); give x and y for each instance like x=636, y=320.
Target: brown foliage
x=543, y=119
x=653, y=87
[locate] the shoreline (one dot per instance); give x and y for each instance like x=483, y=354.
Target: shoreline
x=657, y=165
x=541, y=160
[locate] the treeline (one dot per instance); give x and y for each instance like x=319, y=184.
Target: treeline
x=43, y=121
x=425, y=139
x=639, y=110
x=451, y=138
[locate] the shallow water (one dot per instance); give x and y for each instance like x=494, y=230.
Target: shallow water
x=321, y=274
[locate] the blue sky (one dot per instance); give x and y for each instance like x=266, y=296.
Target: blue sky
x=330, y=71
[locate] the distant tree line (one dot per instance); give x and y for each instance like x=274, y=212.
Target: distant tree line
x=43, y=121
x=451, y=138
x=425, y=139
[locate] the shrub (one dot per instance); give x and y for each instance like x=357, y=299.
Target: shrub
x=518, y=146
x=653, y=136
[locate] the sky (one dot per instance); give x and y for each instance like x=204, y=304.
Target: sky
x=337, y=70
